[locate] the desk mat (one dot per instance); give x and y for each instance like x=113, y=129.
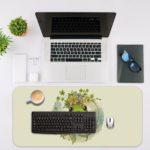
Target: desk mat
x=122, y=103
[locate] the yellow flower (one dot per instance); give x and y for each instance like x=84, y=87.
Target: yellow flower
x=72, y=100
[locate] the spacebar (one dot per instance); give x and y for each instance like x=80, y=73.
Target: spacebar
x=73, y=59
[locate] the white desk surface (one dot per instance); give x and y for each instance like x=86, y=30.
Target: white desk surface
x=132, y=26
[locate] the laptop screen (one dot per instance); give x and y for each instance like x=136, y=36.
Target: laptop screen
x=75, y=24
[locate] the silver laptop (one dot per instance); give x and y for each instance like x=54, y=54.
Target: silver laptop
x=75, y=46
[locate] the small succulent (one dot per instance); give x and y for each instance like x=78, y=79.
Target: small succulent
x=18, y=26
x=4, y=42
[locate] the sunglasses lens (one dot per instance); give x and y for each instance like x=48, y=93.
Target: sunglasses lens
x=135, y=67
x=125, y=56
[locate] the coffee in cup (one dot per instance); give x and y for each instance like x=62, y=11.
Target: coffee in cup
x=37, y=97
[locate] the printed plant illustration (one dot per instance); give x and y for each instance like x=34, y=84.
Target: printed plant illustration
x=79, y=101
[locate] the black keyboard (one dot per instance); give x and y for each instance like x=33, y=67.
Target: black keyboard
x=76, y=24
x=75, y=52
x=63, y=122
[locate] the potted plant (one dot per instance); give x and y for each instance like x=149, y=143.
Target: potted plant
x=18, y=26
x=4, y=42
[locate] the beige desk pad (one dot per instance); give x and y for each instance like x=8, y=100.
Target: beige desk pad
x=122, y=103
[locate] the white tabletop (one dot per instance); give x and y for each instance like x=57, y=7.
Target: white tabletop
x=132, y=26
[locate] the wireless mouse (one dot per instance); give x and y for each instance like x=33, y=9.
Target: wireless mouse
x=110, y=122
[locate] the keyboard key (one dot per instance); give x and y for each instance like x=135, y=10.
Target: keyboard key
x=73, y=59
x=99, y=59
x=92, y=59
x=54, y=56
x=53, y=53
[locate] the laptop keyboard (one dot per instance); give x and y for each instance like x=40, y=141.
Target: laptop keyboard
x=76, y=24
x=75, y=52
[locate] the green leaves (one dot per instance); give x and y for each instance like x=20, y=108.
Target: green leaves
x=62, y=92
x=58, y=98
x=81, y=98
x=18, y=26
x=4, y=42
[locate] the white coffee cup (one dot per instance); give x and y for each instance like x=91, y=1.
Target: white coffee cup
x=37, y=97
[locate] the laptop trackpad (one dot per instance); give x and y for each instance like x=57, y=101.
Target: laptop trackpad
x=75, y=72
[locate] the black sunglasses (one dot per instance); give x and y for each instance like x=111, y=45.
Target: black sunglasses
x=132, y=64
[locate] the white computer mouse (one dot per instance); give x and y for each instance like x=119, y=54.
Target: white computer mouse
x=110, y=122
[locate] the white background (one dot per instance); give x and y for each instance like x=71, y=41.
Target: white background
x=132, y=26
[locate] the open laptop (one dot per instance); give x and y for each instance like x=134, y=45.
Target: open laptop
x=75, y=46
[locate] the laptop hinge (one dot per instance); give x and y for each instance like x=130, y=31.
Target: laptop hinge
x=75, y=37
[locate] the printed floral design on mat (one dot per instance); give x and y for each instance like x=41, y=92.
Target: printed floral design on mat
x=80, y=101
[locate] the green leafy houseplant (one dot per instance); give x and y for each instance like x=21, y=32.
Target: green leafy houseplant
x=4, y=42
x=18, y=26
